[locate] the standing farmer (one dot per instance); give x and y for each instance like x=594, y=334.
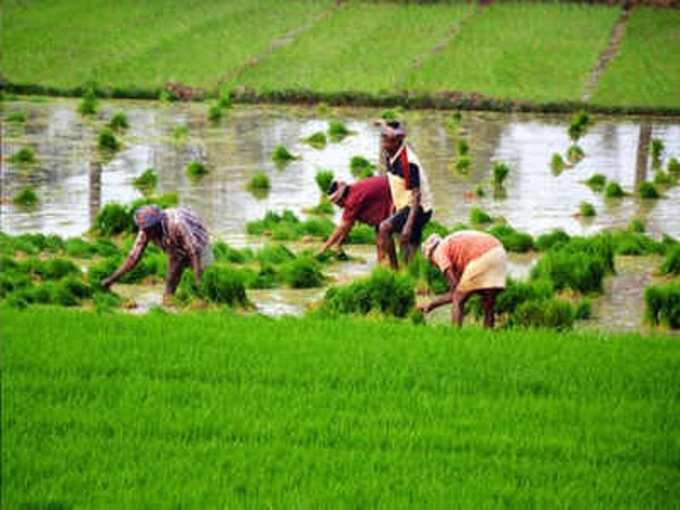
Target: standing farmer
x=367, y=201
x=179, y=233
x=410, y=194
x=473, y=263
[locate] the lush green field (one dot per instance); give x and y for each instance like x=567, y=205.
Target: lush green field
x=141, y=44
x=218, y=410
x=362, y=47
x=647, y=68
x=540, y=52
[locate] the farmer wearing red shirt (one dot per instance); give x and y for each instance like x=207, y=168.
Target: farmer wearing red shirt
x=367, y=201
x=473, y=263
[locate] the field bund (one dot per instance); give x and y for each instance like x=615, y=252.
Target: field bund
x=218, y=410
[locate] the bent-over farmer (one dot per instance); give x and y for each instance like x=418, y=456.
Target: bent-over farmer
x=410, y=193
x=367, y=201
x=179, y=233
x=473, y=263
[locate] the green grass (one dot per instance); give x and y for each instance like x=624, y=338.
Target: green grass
x=511, y=50
x=141, y=44
x=646, y=70
x=217, y=410
x=360, y=47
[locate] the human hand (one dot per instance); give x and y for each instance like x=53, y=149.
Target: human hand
x=423, y=308
x=106, y=283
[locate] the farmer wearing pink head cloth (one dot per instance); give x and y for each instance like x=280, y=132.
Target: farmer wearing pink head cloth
x=473, y=263
x=179, y=233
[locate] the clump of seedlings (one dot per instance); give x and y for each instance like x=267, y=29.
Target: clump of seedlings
x=146, y=183
x=317, y=140
x=597, y=182
x=463, y=148
x=552, y=239
x=671, y=263
x=225, y=101
x=648, y=191
x=16, y=117
x=302, y=273
x=479, y=217
x=224, y=285
x=214, y=113
x=587, y=210
x=578, y=126
x=554, y=313
x=673, y=167
x=575, y=154
x=392, y=114
x=463, y=164
x=196, y=170
x=26, y=197
x=513, y=240
x=259, y=184
x=323, y=109
x=657, y=151
x=324, y=178
x=119, y=122
x=88, y=105
x=24, y=156
x=614, y=190
x=664, y=179
x=282, y=156
x=479, y=191
x=180, y=134
x=360, y=167
x=337, y=130
x=663, y=304
x=500, y=172
x=636, y=225
x=107, y=141
x=557, y=163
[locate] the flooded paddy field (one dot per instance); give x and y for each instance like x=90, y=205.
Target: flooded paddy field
x=72, y=181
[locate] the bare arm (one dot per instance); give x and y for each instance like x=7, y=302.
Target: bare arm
x=338, y=236
x=131, y=261
x=446, y=298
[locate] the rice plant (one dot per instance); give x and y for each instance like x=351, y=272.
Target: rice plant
x=578, y=126
x=214, y=113
x=337, y=130
x=26, y=197
x=88, y=105
x=463, y=164
x=662, y=304
x=16, y=117
x=360, y=167
x=462, y=147
x=180, y=134
x=24, y=156
x=146, y=183
x=107, y=141
x=196, y=170
x=500, y=172
x=478, y=216
x=587, y=210
x=575, y=154
x=657, y=151
x=119, y=122
x=557, y=163
x=282, y=156
x=614, y=190
x=323, y=180
x=597, y=182
x=648, y=191
x=317, y=140
x=673, y=167
x=259, y=184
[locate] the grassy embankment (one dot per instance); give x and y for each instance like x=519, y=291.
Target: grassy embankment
x=217, y=409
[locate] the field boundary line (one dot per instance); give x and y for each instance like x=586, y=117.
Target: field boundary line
x=452, y=32
x=607, y=55
x=277, y=43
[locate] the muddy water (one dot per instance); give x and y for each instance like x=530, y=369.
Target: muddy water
x=72, y=181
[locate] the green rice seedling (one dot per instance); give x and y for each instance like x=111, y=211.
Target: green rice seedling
x=323, y=208
x=479, y=217
x=119, y=122
x=462, y=147
x=105, y=301
x=673, y=167
x=323, y=109
x=557, y=163
x=146, y=183
x=384, y=291
x=180, y=134
x=360, y=167
x=636, y=225
x=214, y=113
x=664, y=179
x=597, y=182
x=318, y=227
x=613, y=190
x=500, y=172
x=266, y=278
x=224, y=285
x=282, y=156
x=302, y=273
x=75, y=287
x=26, y=197
x=361, y=234
x=584, y=309
x=196, y=170
x=648, y=191
x=337, y=130
x=578, y=126
x=662, y=304
x=575, y=154
x=225, y=101
x=423, y=272
x=551, y=313
x=56, y=269
x=463, y=164
x=12, y=280
x=270, y=220
x=324, y=178
x=657, y=151
x=513, y=240
x=88, y=105
x=166, y=96
x=671, y=262
x=434, y=227
x=587, y=210
x=16, y=117
x=580, y=271
x=225, y=253
x=23, y=156
x=107, y=141
x=479, y=191
x=259, y=182
x=78, y=248
x=112, y=219
x=317, y=140
x=389, y=115
x=274, y=255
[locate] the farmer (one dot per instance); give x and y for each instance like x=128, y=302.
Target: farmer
x=473, y=263
x=410, y=193
x=179, y=233
x=367, y=201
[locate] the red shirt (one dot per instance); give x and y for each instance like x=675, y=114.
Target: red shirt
x=368, y=201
